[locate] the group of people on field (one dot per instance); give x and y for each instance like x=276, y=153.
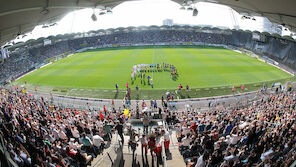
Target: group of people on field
x=145, y=71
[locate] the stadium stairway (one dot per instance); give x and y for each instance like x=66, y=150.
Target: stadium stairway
x=174, y=158
x=139, y=159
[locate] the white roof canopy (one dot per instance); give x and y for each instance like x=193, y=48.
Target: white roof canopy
x=21, y=16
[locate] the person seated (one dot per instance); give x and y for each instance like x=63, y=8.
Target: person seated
x=185, y=142
x=82, y=158
x=87, y=144
x=74, y=145
x=98, y=142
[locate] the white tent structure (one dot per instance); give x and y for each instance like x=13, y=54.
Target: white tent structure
x=21, y=16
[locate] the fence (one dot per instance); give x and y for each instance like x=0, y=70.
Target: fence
x=73, y=102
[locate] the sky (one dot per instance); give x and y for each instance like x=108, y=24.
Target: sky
x=146, y=13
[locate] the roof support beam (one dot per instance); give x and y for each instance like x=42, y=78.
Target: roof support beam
x=41, y=8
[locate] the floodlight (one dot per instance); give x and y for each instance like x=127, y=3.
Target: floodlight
x=94, y=17
x=109, y=11
x=189, y=8
x=182, y=8
x=195, y=12
x=102, y=13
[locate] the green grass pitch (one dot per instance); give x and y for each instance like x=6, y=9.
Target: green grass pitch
x=199, y=67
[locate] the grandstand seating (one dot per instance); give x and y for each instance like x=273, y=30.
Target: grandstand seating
x=37, y=133
x=32, y=54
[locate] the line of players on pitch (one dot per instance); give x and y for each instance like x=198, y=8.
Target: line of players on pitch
x=140, y=71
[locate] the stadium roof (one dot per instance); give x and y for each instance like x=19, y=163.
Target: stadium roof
x=21, y=16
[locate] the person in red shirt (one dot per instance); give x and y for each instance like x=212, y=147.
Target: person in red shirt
x=193, y=127
x=180, y=87
x=70, y=153
x=143, y=104
x=152, y=144
x=105, y=110
x=243, y=87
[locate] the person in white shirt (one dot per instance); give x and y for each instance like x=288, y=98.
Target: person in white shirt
x=75, y=133
x=185, y=142
x=62, y=135
x=74, y=145
x=201, y=161
x=166, y=136
x=56, y=133
x=144, y=143
x=266, y=154
x=98, y=142
x=186, y=130
x=234, y=139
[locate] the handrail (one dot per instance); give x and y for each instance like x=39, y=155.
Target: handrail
x=110, y=159
x=9, y=161
x=163, y=156
x=107, y=154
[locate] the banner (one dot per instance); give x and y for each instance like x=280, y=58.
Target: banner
x=4, y=53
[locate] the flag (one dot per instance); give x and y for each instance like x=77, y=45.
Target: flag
x=24, y=91
x=258, y=115
x=126, y=111
x=101, y=116
x=3, y=90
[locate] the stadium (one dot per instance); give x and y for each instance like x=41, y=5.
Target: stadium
x=155, y=95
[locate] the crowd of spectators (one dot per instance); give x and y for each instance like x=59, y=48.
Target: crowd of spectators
x=39, y=134
x=262, y=134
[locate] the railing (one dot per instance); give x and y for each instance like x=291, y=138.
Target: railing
x=73, y=102
x=112, y=157
x=5, y=159
x=163, y=154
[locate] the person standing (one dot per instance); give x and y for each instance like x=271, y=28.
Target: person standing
x=105, y=110
x=119, y=128
x=116, y=86
x=243, y=87
x=126, y=85
x=166, y=136
x=143, y=105
x=144, y=144
x=187, y=88
x=180, y=87
x=154, y=104
x=146, y=123
x=137, y=88
x=152, y=144
x=151, y=83
x=148, y=79
x=132, y=142
x=144, y=77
